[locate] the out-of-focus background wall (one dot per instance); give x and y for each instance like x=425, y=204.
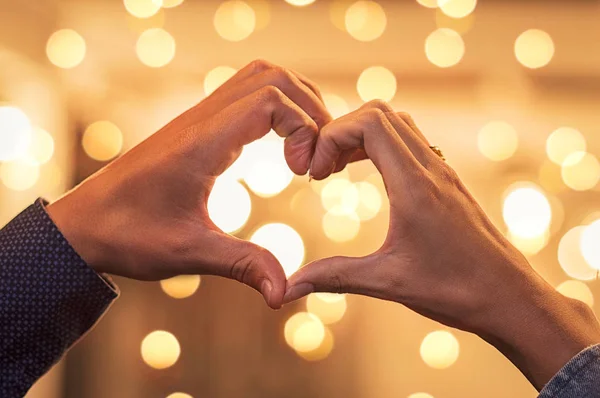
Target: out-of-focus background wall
x=509, y=89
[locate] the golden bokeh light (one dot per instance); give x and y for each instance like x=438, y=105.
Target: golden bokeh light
x=563, y=142
x=340, y=197
x=497, y=141
x=317, y=186
x=143, y=8
x=155, y=48
x=179, y=395
x=370, y=202
x=293, y=324
x=460, y=25
x=440, y=349
x=229, y=205
x=15, y=133
x=41, y=148
x=171, y=3
x=576, y=290
x=235, y=20
x=457, y=8
x=428, y=3
x=299, y=3
x=285, y=244
x=337, y=13
x=581, y=171
x=526, y=211
x=420, y=395
x=590, y=244
x=322, y=351
x=216, y=77
x=341, y=227
x=336, y=105
x=66, y=48
x=138, y=25
x=102, y=141
x=534, y=48
x=365, y=20
x=19, y=175
x=376, y=82
x=267, y=173
x=530, y=245
x=444, y=48
x=308, y=336
x=328, y=310
x=570, y=256
x=181, y=286
x=160, y=349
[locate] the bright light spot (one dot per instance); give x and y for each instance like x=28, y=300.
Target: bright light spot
x=534, y=48
x=564, y=142
x=439, y=349
x=336, y=105
x=365, y=20
x=570, y=256
x=296, y=321
x=428, y=3
x=267, y=172
x=577, y=290
x=498, y=141
x=102, y=141
x=66, y=48
x=229, y=205
x=581, y=171
x=444, y=48
x=329, y=311
x=526, y=211
x=330, y=297
x=341, y=227
x=457, y=8
x=179, y=395
x=322, y=351
x=19, y=175
x=376, y=82
x=181, y=286
x=590, y=244
x=156, y=48
x=461, y=25
x=41, y=148
x=285, y=244
x=317, y=186
x=531, y=245
x=420, y=395
x=262, y=12
x=340, y=197
x=370, y=202
x=160, y=349
x=300, y=3
x=15, y=133
x=235, y=20
x=216, y=77
x=171, y=4
x=143, y=8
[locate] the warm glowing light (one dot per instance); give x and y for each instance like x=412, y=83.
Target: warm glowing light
x=577, y=290
x=179, y=395
x=322, y=351
x=460, y=25
x=41, y=148
x=570, y=256
x=15, y=133
x=235, y=20
x=296, y=321
x=262, y=12
x=341, y=227
x=317, y=186
x=143, y=8
x=19, y=175
x=428, y=3
x=336, y=105
x=229, y=205
x=534, y=48
x=216, y=77
x=181, y=286
x=267, y=172
x=155, y=48
x=376, y=82
x=328, y=310
x=365, y=20
x=300, y=3
x=285, y=244
x=420, y=395
x=563, y=142
x=340, y=197
x=66, y=48
x=439, y=349
x=102, y=141
x=444, y=48
x=526, y=211
x=369, y=204
x=171, y=4
x=581, y=171
x=530, y=245
x=160, y=349
x=139, y=26
x=457, y=8
x=590, y=244
x=498, y=141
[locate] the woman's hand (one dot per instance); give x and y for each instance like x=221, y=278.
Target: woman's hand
x=145, y=215
x=442, y=257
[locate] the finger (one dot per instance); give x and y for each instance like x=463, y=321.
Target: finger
x=308, y=83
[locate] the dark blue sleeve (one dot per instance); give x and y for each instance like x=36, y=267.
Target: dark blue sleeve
x=49, y=298
x=579, y=378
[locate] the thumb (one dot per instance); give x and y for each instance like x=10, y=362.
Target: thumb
x=333, y=275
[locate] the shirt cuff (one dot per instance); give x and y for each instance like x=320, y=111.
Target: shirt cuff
x=578, y=378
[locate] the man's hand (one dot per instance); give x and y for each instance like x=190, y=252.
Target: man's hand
x=145, y=215
x=442, y=257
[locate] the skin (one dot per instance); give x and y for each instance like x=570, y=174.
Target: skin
x=442, y=257
x=144, y=216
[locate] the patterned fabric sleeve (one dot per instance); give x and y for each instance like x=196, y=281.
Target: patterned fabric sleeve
x=579, y=378
x=49, y=298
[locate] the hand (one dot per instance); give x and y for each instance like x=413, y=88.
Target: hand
x=442, y=257
x=145, y=215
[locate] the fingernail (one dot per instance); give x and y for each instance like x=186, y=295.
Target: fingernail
x=298, y=291
x=266, y=287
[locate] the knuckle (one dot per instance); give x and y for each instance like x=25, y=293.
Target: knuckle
x=281, y=77
x=372, y=118
x=379, y=104
x=260, y=65
x=270, y=93
x=406, y=117
x=246, y=265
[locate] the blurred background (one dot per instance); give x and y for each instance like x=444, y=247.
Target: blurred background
x=509, y=89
